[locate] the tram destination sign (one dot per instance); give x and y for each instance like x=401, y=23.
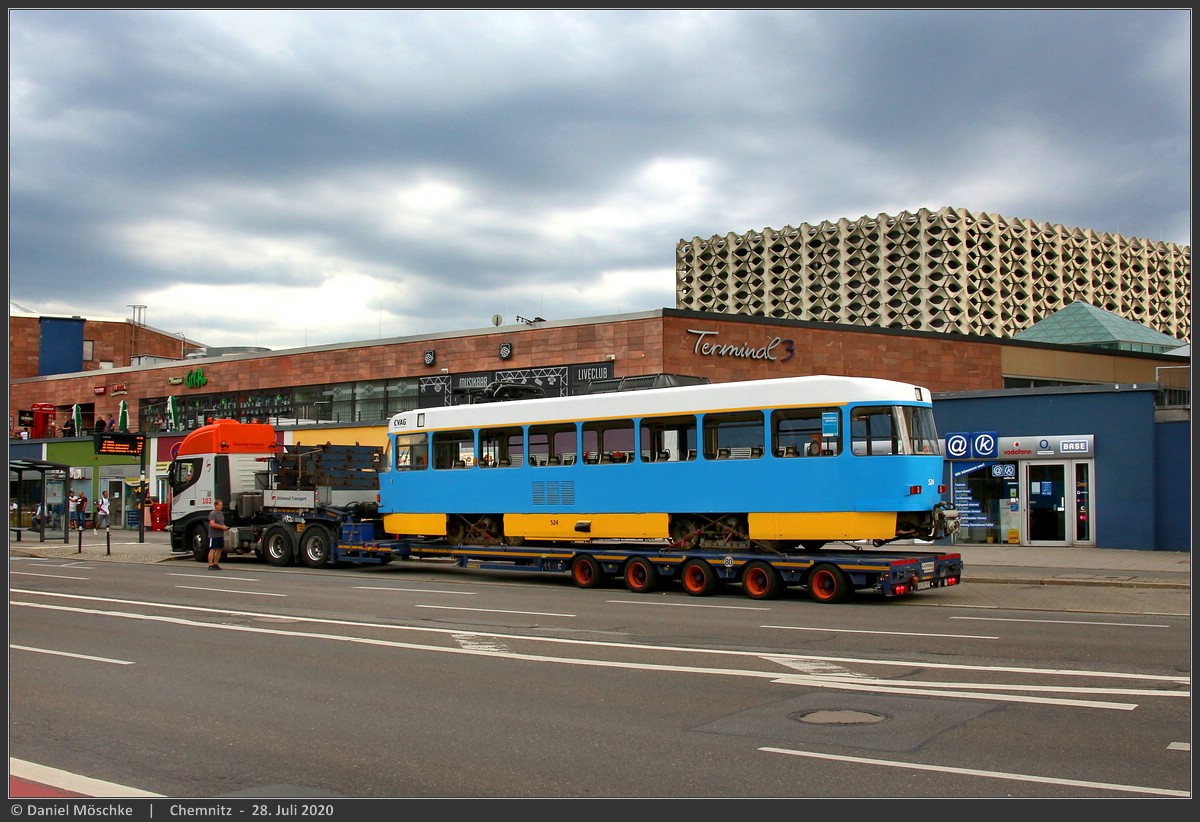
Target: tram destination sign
x=124, y=444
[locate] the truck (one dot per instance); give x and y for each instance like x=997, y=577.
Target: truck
x=286, y=504
x=317, y=506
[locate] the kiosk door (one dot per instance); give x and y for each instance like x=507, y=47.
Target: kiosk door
x=1057, y=505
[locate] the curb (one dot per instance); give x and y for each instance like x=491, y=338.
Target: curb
x=1098, y=583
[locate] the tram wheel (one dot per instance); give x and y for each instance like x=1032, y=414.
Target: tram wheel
x=685, y=532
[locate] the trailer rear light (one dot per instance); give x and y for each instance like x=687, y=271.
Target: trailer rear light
x=901, y=589
x=914, y=489
x=941, y=489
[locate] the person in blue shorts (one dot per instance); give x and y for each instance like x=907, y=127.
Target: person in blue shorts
x=216, y=535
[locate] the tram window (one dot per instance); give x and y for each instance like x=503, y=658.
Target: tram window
x=607, y=441
x=453, y=449
x=555, y=440
x=801, y=432
x=874, y=432
x=732, y=435
x=672, y=438
x=922, y=432
x=501, y=446
x=412, y=452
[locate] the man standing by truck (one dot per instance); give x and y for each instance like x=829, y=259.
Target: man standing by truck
x=216, y=535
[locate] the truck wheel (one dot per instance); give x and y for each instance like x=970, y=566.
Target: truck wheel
x=760, y=581
x=698, y=578
x=827, y=583
x=279, y=546
x=586, y=572
x=315, y=546
x=641, y=576
x=198, y=540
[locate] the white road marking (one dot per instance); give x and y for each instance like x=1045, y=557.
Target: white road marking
x=74, y=656
x=876, y=633
x=493, y=611
x=1018, y=777
x=73, y=782
x=230, y=591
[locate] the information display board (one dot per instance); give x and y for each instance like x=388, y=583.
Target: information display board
x=124, y=444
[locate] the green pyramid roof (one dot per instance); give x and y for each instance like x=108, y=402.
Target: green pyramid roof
x=1084, y=324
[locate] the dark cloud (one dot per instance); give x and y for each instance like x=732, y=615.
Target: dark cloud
x=285, y=178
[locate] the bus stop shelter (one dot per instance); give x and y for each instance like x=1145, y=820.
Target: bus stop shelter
x=47, y=473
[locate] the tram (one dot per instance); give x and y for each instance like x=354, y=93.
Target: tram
x=778, y=465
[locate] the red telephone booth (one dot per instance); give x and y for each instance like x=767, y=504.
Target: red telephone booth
x=43, y=420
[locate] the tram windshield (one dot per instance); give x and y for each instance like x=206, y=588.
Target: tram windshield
x=899, y=429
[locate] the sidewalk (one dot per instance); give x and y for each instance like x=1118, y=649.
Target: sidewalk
x=981, y=563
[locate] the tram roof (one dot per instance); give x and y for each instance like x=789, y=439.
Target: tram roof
x=715, y=397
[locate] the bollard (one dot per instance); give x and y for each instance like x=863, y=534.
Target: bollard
x=107, y=542
x=80, y=551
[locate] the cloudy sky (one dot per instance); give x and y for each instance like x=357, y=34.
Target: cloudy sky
x=293, y=178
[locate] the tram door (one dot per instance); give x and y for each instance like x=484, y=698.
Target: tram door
x=1058, y=503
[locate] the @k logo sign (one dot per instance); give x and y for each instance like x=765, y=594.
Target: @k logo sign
x=195, y=379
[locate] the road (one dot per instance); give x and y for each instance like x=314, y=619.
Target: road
x=428, y=681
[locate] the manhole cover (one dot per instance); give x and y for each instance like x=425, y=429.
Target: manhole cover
x=828, y=717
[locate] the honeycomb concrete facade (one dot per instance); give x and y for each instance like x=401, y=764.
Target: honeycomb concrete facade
x=949, y=270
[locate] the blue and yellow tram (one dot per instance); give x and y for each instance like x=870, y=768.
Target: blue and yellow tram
x=768, y=465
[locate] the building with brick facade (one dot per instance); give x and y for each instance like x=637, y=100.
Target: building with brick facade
x=1071, y=397
x=40, y=345
x=370, y=381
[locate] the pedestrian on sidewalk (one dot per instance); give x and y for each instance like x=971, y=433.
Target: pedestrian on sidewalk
x=101, y=513
x=72, y=508
x=216, y=535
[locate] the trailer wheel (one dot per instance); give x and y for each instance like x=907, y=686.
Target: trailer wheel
x=641, y=577
x=198, y=540
x=586, y=572
x=315, y=546
x=760, y=581
x=698, y=578
x=827, y=583
x=279, y=546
